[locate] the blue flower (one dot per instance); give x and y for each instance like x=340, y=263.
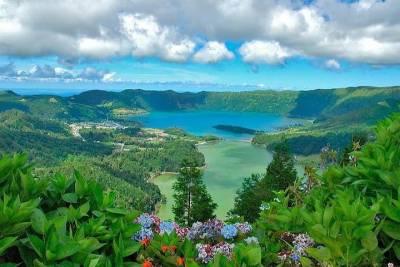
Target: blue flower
x=145, y=220
x=143, y=234
x=295, y=257
x=166, y=227
x=229, y=231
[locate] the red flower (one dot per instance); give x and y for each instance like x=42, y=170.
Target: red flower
x=147, y=263
x=172, y=248
x=145, y=242
x=164, y=248
x=180, y=261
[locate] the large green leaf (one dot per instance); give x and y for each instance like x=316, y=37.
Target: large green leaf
x=392, y=229
x=370, y=242
x=39, y=221
x=37, y=245
x=6, y=243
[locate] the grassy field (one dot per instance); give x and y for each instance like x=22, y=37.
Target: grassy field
x=228, y=162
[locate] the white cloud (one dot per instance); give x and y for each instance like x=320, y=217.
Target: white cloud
x=366, y=31
x=49, y=73
x=332, y=64
x=212, y=52
x=98, y=48
x=148, y=38
x=264, y=52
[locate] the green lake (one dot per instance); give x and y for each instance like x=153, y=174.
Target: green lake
x=227, y=163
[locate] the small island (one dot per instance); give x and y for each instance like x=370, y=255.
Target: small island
x=236, y=129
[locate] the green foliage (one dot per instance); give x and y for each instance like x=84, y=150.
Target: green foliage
x=247, y=202
x=281, y=172
x=255, y=189
x=192, y=201
x=68, y=221
x=351, y=211
x=345, y=226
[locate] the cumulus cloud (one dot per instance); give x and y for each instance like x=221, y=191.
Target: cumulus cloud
x=264, y=52
x=49, y=73
x=148, y=38
x=366, y=31
x=212, y=52
x=332, y=64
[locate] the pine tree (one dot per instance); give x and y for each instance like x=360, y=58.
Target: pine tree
x=281, y=171
x=192, y=201
x=247, y=201
x=280, y=175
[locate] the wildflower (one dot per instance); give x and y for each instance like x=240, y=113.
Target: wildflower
x=164, y=248
x=144, y=233
x=283, y=255
x=180, y=261
x=229, y=231
x=223, y=248
x=156, y=219
x=251, y=240
x=288, y=237
x=181, y=231
x=244, y=228
x=195, y=231
x=145, y=220
x=166, y=227
x=390, y=264
x=295, y=257
x=147, y=263
x=172, y=248
x=145, y=242
x=301, y=242
x=204, y=252
x=211, y=228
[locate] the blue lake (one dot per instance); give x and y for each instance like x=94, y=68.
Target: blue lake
x=202, y=122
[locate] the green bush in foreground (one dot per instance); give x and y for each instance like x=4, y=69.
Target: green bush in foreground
x=352, y=213
x=60, y=221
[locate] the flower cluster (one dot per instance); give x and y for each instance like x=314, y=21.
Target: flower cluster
x=208, y=230
x=181, y=231
x=244, y=228
x=206, y=252
x=166, y=227
x=299, y=242
x=211, y=237
x=229, y=231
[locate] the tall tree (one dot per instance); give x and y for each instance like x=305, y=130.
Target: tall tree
x=192, y=201
x=247, y=202
x=281, y=171
x=280, y=175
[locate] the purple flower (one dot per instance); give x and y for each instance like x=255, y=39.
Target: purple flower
x=223, y=248
x=244, y=228
x=204, y=252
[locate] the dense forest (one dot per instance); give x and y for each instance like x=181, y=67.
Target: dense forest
x=98, y=154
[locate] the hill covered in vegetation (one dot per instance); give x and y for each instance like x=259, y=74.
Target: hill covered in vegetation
x=347, y=216
x=359, y=104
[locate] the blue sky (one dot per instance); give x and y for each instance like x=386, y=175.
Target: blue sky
x=231, y=45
